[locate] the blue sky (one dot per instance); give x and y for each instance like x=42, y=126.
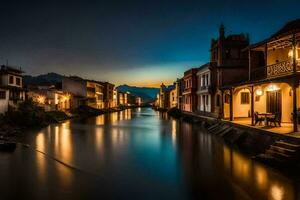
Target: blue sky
x=129, y=42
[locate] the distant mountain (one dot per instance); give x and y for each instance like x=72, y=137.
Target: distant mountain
x=146, y=93
x=50, y=78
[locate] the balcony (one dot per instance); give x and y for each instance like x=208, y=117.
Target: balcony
x=204, y=87
x=280, y=69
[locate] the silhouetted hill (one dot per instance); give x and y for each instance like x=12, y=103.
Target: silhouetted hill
x=146, y=93
x=50, y=78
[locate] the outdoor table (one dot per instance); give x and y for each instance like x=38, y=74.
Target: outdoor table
x=266, y=116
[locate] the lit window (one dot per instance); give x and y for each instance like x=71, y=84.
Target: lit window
x=245, y=98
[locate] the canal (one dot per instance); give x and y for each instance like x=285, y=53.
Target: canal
x=134, y=154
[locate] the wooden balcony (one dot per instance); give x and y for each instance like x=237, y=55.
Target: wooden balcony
x=280, y=69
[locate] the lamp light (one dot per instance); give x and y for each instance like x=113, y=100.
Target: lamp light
x=259, y=92
x=272, y=88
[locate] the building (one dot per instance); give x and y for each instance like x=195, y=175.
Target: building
x=189, y=94
x=84, y=92
x=206, y=90
x=50, y=98
x=230, y=66
x=173, y=96
x=122, y=98
x=108, y=94
x=115, y=98
x=11, y=88
x=272, y=88
x=179, y=87
x=164, y=98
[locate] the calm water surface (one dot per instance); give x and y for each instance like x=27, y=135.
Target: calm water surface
x=134, y=154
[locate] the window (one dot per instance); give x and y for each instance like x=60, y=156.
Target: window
x=207, y=83
x=245, y=98
x=11, y=80
x=227, y=98
x=206, y=100
x=2, y=95
x=18, y=81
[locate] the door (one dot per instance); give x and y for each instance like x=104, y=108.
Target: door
x=274, y=102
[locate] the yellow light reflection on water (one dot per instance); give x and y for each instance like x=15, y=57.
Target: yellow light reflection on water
x=174, y=130
x=100, y=120
x=99, y=139
x=261, y=177
x=277, y=192
x=40, y=158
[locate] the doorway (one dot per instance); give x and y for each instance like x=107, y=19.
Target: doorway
x=274, y=101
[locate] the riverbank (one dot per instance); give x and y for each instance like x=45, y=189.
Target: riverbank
x=281, y=151
x=30, y=117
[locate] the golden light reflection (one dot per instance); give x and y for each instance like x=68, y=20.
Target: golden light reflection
x=261, y=177
x=248, y=173
x=277, y=192
x=100, y=120
x=174, y=130
x=66, y=145
x=99, y=140
x=117, y=136
x=114, y=117
x=227, y=157
x=127, y=114
x=241, y=166
x=40, y=142
x=40, y=158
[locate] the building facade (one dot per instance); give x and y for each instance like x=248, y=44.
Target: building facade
x=108, y=94
x=167, y=96
x=50, y=99
x=11, y=88
x=189, y=95
x=272, y=85
x=230, y=65
x=84, y=92
x=205, y=90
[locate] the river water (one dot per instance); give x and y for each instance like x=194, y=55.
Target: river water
x=134, y=154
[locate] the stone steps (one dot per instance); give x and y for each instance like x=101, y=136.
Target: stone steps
x=283, y=151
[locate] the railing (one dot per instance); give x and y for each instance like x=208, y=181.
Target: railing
x=204, y=87
x=280, y=69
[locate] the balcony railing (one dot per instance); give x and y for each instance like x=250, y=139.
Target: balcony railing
x=204, y=87
x=280, y=69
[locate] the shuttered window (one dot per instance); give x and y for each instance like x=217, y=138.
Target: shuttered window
x=245, y=98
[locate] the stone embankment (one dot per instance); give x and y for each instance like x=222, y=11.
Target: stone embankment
x=278, y=150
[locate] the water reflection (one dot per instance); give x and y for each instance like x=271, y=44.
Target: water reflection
x=138, y=152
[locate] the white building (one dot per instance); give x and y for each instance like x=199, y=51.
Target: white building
x=11, y=88
x=204, y=89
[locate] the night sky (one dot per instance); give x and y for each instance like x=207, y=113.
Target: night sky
x=132, y=42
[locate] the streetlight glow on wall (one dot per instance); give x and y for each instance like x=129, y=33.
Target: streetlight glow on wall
x=259, y=92
x=272, y=88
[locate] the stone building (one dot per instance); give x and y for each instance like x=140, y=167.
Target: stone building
x=230, y=63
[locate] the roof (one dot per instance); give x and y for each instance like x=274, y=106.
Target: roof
x=7, y=69
x=289, y=27
x=169, y=88
x=206, y=65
